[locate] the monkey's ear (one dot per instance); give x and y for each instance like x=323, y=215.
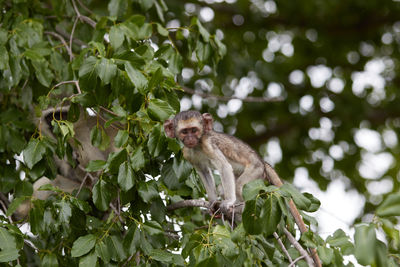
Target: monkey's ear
x=207, y=122
x=169, y=128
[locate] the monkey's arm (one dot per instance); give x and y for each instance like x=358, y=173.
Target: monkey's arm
x=225, y=170
x=208, y=181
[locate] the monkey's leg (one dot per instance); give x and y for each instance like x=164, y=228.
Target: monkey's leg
x=252, y=172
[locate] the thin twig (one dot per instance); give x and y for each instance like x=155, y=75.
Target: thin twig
x=85, y=7
x=283, y=247
x=296, y=260
x=227, y=98
x=58, y=36
x=83, y=182
x=72, y=34
x=299, y=248
x=30, y=244
x=68, y=36
x=113, y=125
x=82, y=17
x=109, y=111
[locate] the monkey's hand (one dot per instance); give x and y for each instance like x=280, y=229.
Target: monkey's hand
x=227, y=206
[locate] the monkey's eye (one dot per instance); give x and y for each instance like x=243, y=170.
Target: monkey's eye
x=184, y=131
x=194, y=130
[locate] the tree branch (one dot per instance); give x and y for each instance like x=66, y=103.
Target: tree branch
x=249, y=99
x=188, y=203
x=283, y=247
x=297, y=245
x=56, y=35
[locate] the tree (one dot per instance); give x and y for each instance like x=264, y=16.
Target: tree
x=287, y=70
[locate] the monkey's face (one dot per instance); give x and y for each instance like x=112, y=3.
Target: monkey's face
x=190, y=136
x=190, y=132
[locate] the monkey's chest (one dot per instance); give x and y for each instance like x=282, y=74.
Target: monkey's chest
x=199, y=158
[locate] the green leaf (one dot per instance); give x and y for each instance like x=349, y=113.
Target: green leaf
x=126, y=176
x=80, y=204
x=121, y=138
x=253, y=188
x=3, y=36
x=137, y=159
x=252, y=221
x=65, y=211
x=89, y=260
x=74, y=112
x=9, y=254
x=116, y=36
x=148, y=191
x=390, y=206
x=299, y=199
x=131, y=239
x=161, y=30
x=3, y=58
x=114, y=244
x=339, y=239
x=83, y=245
x=103, y=252
x=49, y=260
x=315, y=203
x=153, y=228
x=365, y=244
x=42, y=72
x=182, y=168
x=115, y=160
x=34, y=152
x=136, y=77
x=106, y=70
x=159, y=110
x=33, y=55
x=36, y=217
x=203, y=51
x=270, y=214
x=146, y=4
x=325, y=254
x=7, y=240
x=161, y=256
x=155, y=79
x=98, y=47
x=88, y=67
x=95, y=165
x=156, y=142
x=203, y=32
x=23, y=188
x=102, y=194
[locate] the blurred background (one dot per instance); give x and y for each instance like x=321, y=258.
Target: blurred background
x=313, y=86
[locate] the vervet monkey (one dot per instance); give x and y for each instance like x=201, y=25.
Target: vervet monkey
x=206, y=149
x=69, y=177
x=235, y=161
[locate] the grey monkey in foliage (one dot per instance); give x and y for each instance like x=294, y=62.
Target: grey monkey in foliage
x=208, y=150
x=236, y=162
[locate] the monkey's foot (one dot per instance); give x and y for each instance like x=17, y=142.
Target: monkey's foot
x=227, y=206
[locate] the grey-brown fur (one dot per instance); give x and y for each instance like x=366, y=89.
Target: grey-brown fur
x=236, y=162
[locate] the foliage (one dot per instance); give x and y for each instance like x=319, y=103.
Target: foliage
x=129, y=60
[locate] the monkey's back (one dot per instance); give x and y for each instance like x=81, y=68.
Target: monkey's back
x=234, y=149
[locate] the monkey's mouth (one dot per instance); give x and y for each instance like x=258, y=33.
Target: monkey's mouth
x=191, y=144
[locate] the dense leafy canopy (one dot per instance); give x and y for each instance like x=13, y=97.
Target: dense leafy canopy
x=304, y=83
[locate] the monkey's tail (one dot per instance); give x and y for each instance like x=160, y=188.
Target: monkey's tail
x=274, y=179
